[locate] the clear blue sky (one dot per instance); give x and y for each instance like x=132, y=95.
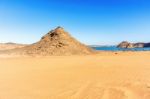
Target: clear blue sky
x=90, y=21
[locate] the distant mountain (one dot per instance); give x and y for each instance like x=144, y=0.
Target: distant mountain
x=126, y=44
x=10, y=45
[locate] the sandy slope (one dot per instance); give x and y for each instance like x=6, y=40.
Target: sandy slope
x=104, y=76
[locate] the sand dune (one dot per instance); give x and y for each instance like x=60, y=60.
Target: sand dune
x=102, y=76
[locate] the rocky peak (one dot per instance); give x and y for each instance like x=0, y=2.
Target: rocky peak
x=58, y=32
x=57, y=42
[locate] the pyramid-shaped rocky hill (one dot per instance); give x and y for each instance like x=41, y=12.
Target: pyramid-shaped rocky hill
x=57, y=42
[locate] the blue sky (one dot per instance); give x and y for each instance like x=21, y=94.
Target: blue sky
x=90, y=21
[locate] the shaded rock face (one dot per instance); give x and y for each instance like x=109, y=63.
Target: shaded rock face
x=126, y=44
x=147, y=45
x=57, y=42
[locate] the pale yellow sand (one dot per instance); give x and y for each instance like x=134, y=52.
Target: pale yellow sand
x=103, y=76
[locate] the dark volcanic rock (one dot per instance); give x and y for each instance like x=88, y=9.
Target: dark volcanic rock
x=147, y=45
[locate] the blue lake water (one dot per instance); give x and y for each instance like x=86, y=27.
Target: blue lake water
x=114, y=48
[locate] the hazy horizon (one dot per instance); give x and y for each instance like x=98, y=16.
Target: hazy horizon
x=93, y=22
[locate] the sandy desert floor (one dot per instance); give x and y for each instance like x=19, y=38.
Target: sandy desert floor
x=121, y=75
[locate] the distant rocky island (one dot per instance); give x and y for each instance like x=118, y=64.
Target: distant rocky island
x=126, y=44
